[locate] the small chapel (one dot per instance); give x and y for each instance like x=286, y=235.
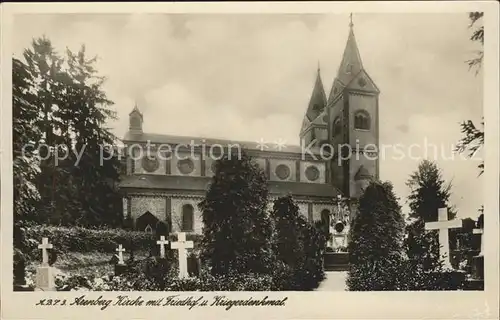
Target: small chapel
x=159, y=193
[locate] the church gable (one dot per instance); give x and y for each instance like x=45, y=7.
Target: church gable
x=363, y=82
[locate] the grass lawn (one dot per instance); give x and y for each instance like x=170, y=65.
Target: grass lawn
x=85, y=264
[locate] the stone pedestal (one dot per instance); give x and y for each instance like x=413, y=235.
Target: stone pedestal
x=120, y=269
x=45, y=278
x=336, y=261
x=478, y=267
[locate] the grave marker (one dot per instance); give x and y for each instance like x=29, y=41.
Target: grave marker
x=120, y=251
x=182, y=245
x=443, y=225
x=44, y=273
x=120, y=267
x=162, y=242
x=481, y=233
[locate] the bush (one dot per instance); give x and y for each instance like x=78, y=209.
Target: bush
x=237, y=229
x=376, y=241
x=136, y=280
x=78, y=239
x=298, y=248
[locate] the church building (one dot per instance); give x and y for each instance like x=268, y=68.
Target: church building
x=164, y=191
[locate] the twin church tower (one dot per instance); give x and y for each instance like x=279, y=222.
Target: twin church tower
x=348, y=121
x=166, y=190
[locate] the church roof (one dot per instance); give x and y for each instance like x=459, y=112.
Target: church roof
x=317, y=102
x=199, y=185
x=269, y=146
x=362, y=174
x=351, y=63
x=136, y=110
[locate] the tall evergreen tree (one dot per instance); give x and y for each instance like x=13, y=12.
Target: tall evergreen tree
x=428, y=193
x=72, y=110
x=376, y=241
x=237, y=229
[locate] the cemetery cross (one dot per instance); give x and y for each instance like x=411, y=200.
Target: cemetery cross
x=181, y=245
x=162, y=242
x=443, y=224
x=44, y=246
x=120, y=251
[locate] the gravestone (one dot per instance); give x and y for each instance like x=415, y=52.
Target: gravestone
x=45, y=274
x=162, y=242
x=20, y=272
x=443, y=225
x=182, y=245
x=120, y=267
x=477, y=281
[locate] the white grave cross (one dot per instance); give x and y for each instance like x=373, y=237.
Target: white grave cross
x=481, y=232
x=162, y=242
x=120, y=251
x=181, y=245
x=44, y=246
x=443, y=224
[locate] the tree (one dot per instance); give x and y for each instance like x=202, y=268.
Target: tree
x=428, y=193
x=237, y=229
x=71, y=112
x=376, y=241
x=473, y=137
x=297, y=246
x=24, y=131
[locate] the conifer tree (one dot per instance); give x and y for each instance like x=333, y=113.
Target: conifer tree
x=428, y=193
x=71, y=113
x=237, y=228
x=376, y=241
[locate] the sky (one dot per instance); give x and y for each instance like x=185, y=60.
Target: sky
x=250, y=77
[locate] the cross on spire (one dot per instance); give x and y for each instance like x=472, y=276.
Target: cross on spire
x=350, y=21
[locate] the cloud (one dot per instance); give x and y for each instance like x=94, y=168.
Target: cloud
x=250, y=76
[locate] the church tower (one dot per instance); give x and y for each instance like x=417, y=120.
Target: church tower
x=314, y=129
x=135, y=120
x=353, y=125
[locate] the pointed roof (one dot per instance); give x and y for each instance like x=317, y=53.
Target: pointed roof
x=362, y=174
x=351, y=63
x=136, y=110
x=318, y=99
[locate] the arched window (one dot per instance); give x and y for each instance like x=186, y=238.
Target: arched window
x=337, y=127
x=187, y=217
x=362, y=120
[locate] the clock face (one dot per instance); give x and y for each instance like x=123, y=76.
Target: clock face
x=282, y=171
x=185, y=166
x=150, y=164
x=312, y=173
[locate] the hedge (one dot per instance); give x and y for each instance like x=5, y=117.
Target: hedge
x=79, y=239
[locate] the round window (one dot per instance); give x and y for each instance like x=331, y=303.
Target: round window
x=362, y=82
x=185, y=166
x=282, y=171
x=150, y=164
x=312, y=173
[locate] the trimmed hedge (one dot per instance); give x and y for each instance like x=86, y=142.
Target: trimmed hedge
x=79, y=239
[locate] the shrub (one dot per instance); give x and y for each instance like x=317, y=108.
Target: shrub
x=298, y=248
x=237, y=229
x=78, y=239
x=376, y=241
